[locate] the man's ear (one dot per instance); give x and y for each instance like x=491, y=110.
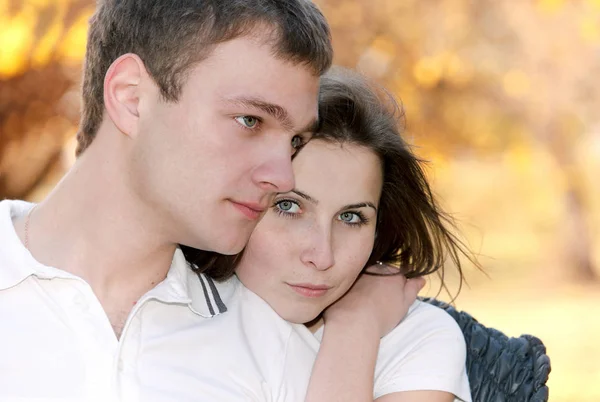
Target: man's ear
x=122, y=92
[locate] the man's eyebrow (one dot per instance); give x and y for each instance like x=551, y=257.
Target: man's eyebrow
x=361, y=205
x=273, y=110
x=305, y=196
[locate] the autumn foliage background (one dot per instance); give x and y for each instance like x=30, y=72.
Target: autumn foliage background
x=501, y=96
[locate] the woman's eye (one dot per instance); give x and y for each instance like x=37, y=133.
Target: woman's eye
x=350, y=217
x=288, y=206
x=247, y=121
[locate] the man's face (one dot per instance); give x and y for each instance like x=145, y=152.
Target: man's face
x=210, y=164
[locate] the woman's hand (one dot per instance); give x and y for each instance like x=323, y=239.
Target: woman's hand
x=354, y=326
x=375, y=300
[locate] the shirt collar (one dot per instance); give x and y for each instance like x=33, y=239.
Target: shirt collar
x=16, y=261
x=201, y=293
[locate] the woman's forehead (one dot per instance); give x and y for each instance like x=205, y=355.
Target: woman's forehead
x=343, y=173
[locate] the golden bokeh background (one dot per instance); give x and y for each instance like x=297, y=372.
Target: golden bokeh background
x=501, y=96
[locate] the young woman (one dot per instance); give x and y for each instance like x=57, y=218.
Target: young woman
x=361, y=200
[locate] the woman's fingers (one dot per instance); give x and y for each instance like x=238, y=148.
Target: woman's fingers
x=382, y=269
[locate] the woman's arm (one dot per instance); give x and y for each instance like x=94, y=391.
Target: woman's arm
x=343, y=370
x=345, y=365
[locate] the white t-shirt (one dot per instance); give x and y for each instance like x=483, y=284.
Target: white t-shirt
x=188, y=339
x=426, y=351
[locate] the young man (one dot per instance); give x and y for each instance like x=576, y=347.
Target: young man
x=192, y=111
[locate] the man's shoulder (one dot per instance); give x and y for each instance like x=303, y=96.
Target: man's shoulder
x=12, y=249
x=255, y=314
x=10, y=209
x=264, y=330
x=261, y=312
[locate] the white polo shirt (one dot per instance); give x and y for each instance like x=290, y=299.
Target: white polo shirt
x=56, y=343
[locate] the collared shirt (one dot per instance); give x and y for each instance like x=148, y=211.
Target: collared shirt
x=57, y=344
x=188, y=339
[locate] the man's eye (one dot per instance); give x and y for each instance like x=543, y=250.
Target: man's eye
x=297, y=142
x=247, y=121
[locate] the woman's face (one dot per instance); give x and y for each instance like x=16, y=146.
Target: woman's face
x=313, y=242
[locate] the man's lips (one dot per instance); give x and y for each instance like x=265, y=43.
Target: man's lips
x=309, y=289
x=251, y=210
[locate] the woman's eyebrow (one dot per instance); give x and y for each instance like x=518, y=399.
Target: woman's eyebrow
x=305, y=196
x=361, y=205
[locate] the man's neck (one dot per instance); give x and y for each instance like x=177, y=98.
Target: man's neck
x=92, y=226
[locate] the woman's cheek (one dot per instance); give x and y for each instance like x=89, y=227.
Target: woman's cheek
x=362, y=247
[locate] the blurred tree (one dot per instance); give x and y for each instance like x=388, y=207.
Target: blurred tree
x=42, y=44
x=477, y=77
x=487, y=77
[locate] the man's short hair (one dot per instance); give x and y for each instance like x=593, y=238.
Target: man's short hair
x=172, y=36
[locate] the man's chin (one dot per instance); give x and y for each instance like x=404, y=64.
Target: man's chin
x=231, y=248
